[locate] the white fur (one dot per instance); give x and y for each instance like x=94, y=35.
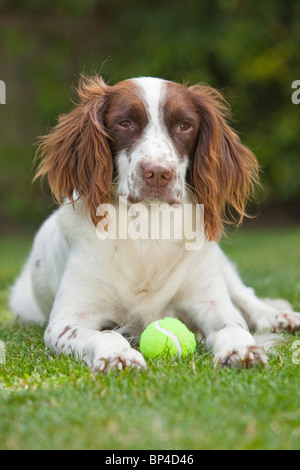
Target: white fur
x=84, y=287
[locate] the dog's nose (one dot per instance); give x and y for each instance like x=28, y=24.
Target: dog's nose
x=157, y=175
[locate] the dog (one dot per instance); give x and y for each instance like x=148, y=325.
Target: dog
x=149, y=141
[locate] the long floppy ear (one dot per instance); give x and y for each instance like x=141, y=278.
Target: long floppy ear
x=223, y=171
x=76, y=156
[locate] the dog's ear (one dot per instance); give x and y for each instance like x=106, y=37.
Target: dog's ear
x=223, y=171
x=76, y=156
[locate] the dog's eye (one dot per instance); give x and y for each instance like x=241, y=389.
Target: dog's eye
x=126, y=124
x=184, y=126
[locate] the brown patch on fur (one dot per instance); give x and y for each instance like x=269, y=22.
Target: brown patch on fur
x=76, y=153
x=179, y=107
x=66, y=329
x=125, y=105
x=73, y=334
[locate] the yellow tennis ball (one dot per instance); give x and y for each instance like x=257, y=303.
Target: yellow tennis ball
x=166, y=338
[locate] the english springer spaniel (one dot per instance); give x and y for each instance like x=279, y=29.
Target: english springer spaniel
x=150, y=142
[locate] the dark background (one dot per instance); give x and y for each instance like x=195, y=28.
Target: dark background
x=250, y=50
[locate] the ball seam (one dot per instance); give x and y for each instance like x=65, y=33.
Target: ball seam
x=170, y=335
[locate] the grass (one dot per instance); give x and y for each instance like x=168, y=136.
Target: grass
x=49, y=402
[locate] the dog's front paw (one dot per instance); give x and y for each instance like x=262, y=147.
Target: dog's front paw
x=242, y=356
x=289, y=321
x=126, y=359
x=280, y=322
x=283, y=318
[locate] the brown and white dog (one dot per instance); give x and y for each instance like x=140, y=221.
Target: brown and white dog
x=150, y=141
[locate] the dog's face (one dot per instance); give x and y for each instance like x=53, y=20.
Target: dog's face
x=154, y=127
x=154, y=140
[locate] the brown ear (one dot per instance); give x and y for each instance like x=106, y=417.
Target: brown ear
x=223, y=171
x=76, y=156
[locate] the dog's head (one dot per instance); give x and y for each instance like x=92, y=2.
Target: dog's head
x=150, y=140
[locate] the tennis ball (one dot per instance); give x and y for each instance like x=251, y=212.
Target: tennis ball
x=167, y=337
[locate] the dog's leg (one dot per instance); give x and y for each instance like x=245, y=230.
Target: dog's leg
x=207, y=304
x=79, y=320
x=22, y=300
x=275, y=315
x=101, y=350
x=226, y=333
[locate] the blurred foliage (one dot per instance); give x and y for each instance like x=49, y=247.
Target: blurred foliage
x=247, y=49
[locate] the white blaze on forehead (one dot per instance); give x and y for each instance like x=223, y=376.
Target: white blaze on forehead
x=153, y=94
x=154, y=145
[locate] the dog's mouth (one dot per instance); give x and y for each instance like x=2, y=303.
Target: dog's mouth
x=156, y=195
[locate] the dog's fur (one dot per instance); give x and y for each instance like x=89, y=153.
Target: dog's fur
x=151, y=141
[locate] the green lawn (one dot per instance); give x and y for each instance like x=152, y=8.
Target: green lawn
x=49, y=402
